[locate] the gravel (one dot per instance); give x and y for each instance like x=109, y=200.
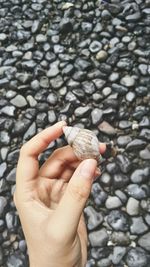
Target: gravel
x=88, y=63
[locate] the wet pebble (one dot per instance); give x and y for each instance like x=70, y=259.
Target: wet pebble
x=136, y=257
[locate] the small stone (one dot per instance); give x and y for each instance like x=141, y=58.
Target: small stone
x=19, y=101
x=3, y=205
x=57, y=82
x=31, y=100
x=41, y=38
x=52, y=99
x=106, y=128
x=114, y=76
x=44, y=82
x=145, y=134
x=120, y=238
x=11, y=177
x=98, y=194
x=124, y=163
x=3, y=36
x=8, y=110
x=118, y=254
x=67, y=5
x=86, y=27
x=30, y=132
x=122, y=141
x=101, y=55
x=113, y=202
x=99, y=83
x=136, y=191
x=118, y=220
x=96, y=115
x=136, y=144
x=95, y=46
x=140, y=175
x=94, y=218
x=14, y=260
x=132, y=206
x=144, y=241
x=4, y=152
x=138, y=226
x=120, y=89
x=3, y=167
x=130, y=96
x=82, y=111
x=52, y=116
x=98, y=238
x=136, y=257
x=4, y=138
x=58, y=49
x=125, y=124
x=145, y=154
x=35, y=85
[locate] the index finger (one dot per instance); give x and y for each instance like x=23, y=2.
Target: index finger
x=28, y=166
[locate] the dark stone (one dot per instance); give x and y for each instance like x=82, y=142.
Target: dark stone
x=137, y=191
x=66, y=25
x=136, y=144
x=98, y=238
x=98, y=194
x=94, y=218
x=120, y=180
x=136, y=257
x=138, y=226
x=140, y=175
x=118, y=220
x=124, y=163
x=3, y=205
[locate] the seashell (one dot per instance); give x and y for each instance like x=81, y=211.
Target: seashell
x=84, y=142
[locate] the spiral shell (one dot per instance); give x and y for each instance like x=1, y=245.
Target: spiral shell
x=84, y=142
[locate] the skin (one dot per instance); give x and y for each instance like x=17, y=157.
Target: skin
x=50, y=201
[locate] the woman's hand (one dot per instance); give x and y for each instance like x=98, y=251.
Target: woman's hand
x=50, y=201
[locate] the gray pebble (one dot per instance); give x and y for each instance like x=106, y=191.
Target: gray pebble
x=136, y=257
x=98, y=238
x=96, y=116
x=118, y=220
x=113, y=202
x=138, y=226
x=3, y=167
x=118, y=254
x=144, y=241
x=19, y=101
x=132, y=206
x=3, y=205
x=94, y=218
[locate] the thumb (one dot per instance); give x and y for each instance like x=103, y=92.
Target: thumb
x=71, y=206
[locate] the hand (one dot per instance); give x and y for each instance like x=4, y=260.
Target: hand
x=50, y=201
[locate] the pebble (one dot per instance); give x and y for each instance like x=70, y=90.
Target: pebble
x=98, y=238
x=118, y=220
x=144, y=241
x=4, y=138
x=145, y=154
x=82, y=111
x=118, y=254
x=19, y=101
x=140, y=175
x=11, y=177
x=113, y=202
x=127, y=81
x=136, y=144
x=120, y=238
x=98, y=194
x=96, y=116
x=106, y=128
x=124, y=163
x=95, y=46
x=3, y=167
x=30, y=132
x=9, y=110
x=41, y=38
x=136, y=257
x=138, y=226
x=101, y=55
x=132, y=206
x=122, y=141
x=136, y=191
x=94, y=218
x=3, y=205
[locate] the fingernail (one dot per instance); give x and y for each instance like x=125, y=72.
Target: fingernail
x=88, y=167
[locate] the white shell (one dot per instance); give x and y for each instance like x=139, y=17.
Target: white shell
x=84, y=142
